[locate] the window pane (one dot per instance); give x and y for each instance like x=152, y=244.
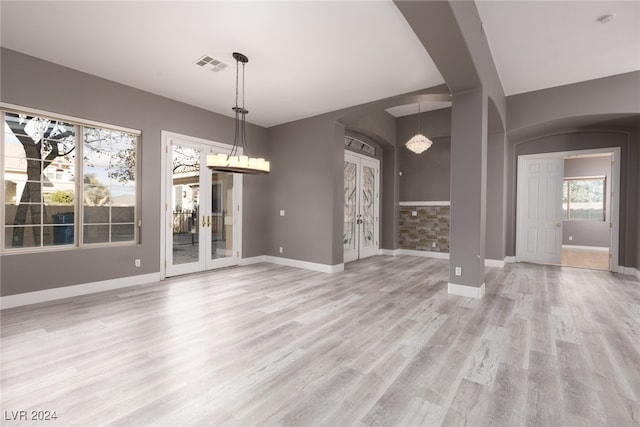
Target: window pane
x=123, y=233
x=565, y=200
x=586, y=199
x=96, y=233
x=96, y=214
x=22, y=237
x=61, y=234
x=109, y=184
x=35, y=146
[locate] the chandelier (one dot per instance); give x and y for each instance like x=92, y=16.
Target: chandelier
x=239, y=160
x=418, y=143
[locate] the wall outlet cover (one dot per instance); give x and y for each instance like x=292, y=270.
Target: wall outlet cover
x=458, y=271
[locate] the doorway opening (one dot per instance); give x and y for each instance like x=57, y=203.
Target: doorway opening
x=567, y=208
x=361, y=206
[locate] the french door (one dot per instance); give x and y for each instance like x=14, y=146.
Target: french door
x=361, y=206
x=539, y=219
x=202, y=209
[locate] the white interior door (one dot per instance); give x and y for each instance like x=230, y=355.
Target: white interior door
x=202, y=212
x=539, y=219
x=361, y=206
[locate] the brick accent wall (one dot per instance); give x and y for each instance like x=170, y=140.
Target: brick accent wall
x=431, y=224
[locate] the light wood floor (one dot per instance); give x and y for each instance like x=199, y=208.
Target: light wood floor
x=378, y=344
x=585, y=258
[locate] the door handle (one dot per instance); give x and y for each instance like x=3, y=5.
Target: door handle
x=558, y=225
x=208, y=221
x=204, y=222
x=359, y=221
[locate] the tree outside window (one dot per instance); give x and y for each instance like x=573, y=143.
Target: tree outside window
x=584, y=199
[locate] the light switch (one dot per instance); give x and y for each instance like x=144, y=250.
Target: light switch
x=414, y=213
x=281, y=212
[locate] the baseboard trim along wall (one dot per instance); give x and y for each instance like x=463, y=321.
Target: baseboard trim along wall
x=27, y=298
x=425, y=254
x=587, y=248
x=322, y=268
x=466, y=290
x=494, y=263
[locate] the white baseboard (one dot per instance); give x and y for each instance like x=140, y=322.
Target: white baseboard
x=629, y=271
x=389, y=252
x=27, y=298
x=253, y=260
x=323, y=268
x=425, y=254
x=494, y=263
x=586, y=248
x=466, y=290
x=509, y=259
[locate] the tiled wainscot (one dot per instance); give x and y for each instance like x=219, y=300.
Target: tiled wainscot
x=422, y=226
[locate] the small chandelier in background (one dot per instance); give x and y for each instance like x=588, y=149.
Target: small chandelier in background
x=418, y=143
x=235, y=161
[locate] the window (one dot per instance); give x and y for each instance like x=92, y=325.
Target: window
x=67, y=183
x=584, y=198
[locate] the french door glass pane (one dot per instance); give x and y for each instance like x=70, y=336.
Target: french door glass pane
x=221, y=215
x=184, y=202
x=349, y=237
x=368, y=207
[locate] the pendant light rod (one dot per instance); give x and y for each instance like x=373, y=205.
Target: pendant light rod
x=234, y=161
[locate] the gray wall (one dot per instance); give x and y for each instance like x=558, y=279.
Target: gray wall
x=307, y=175
x=33, y=83
x=425, y=176
x=589, y=233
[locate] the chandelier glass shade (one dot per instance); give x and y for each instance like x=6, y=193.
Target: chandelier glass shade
x=418, y=143
x=239, y=160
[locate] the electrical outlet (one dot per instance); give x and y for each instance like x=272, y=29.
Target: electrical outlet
x=414, y=213
x=458, y=271
x=433, y=244
x=570, y=237
x=281, y=212
x=280, y=249
x=137, y=262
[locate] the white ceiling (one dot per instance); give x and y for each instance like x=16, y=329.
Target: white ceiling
x=541, y=44
x=307, y=57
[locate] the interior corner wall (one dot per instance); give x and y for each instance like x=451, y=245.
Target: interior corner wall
x=306, y=181
x=389, y=234
x=637, y=139
x=33, y=83
x=495, y=231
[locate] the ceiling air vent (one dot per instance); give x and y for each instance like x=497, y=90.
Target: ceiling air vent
x=213, y=64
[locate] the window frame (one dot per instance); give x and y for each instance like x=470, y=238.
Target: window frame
x=78, y=224
x=567, y=180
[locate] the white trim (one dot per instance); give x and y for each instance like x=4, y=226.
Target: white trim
x=253, y=260
x=628, y=271
x=509, y=259
x=614, y=214
x=390, y=252
x=466, y=290
x=72, y=119
x=424, y=254
x=587, y=248
x=323, y=268
x=494, y=263
x=425, y=203
x=27, y=298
